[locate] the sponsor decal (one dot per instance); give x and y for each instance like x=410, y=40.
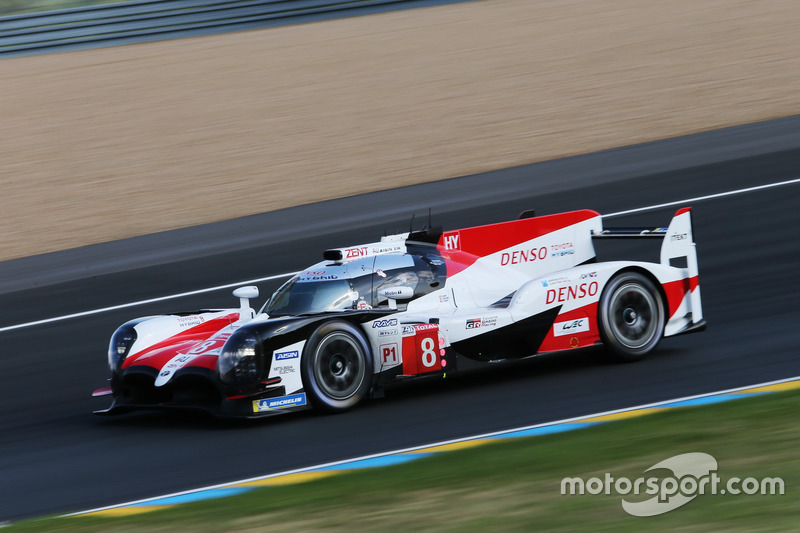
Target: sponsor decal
x=384, y=323
x=523, y=256
x=314, y=273
x=354, y=253
x=444, y=298
x=560, y=250
x=193, y=319
x=377, y=250
x=452, y=241
x=283, y=356
x=387, y=332
x=425, y=327
x=362, y=304
x=679, y=237
x=555, y=281
x=572, y=292
x=165, y=373
x=324, y=277
x=570, y=327
x=187, y=322
x=282, y=402
x=409, y=330
x=287, y=369
x=588, y=275
x=389, y=292
x=487, y=321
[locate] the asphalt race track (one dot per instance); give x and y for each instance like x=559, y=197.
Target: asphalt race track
x=56, y=457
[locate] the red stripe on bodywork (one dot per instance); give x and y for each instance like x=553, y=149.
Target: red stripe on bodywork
x=480, y=241
x=160, y=353
x=551, y=343
x=676, y=291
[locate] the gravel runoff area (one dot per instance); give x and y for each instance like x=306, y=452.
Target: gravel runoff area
x=104, y=144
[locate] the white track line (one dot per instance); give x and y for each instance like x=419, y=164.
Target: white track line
x=440, y=443
x=142, y=302
x=701, y=198
x=278, y=276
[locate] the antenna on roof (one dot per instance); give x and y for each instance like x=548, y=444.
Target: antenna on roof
x=411, y=224
x=430, y=223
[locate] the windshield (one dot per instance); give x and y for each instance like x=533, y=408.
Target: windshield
x=298, y=297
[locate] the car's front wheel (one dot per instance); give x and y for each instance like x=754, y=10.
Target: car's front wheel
x=337, y=366
x=631, y=316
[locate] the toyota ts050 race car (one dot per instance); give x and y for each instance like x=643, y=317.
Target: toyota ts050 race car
x=411, y=305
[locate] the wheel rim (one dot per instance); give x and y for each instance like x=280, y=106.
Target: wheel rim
x=634, y=316
x=339, y=366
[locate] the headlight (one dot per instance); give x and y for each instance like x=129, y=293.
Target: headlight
x=240, y=358
x=120, y=345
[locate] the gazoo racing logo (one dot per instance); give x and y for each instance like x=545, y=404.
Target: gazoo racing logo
x=475, y=323
x=384, y=323
x=572, y=292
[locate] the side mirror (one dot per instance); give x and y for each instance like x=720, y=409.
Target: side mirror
x=399, y=292
x=244, y=294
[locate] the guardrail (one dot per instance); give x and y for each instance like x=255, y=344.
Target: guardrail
x=147, y=20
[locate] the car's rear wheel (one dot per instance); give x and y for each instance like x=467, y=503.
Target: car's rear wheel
x=631, y=316
x=337, y=366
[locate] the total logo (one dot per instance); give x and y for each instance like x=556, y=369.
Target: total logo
x=282, y=402
x=283, y=356
x=385, y=323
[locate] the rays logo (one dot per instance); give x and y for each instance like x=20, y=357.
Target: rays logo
x=384, y=323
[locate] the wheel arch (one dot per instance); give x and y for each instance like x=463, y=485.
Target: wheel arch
x=649, y=275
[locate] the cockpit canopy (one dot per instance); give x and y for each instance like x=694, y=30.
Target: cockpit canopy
x=330, y=286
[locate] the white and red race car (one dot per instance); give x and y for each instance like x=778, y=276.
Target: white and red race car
x=411, y=305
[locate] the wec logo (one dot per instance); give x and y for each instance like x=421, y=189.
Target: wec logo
x=384, y=323
x=570, y=326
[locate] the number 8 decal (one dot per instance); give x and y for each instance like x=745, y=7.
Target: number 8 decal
x=428, y=352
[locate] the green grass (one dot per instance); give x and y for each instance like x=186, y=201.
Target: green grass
x=515, y=485
x=15, y=7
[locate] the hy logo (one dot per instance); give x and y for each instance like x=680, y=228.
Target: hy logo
x=452, y=241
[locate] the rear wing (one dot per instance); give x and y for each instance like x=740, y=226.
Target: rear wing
x=677, y=248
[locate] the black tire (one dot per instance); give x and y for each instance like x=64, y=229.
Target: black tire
x=631, y=317
x=337, y=367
